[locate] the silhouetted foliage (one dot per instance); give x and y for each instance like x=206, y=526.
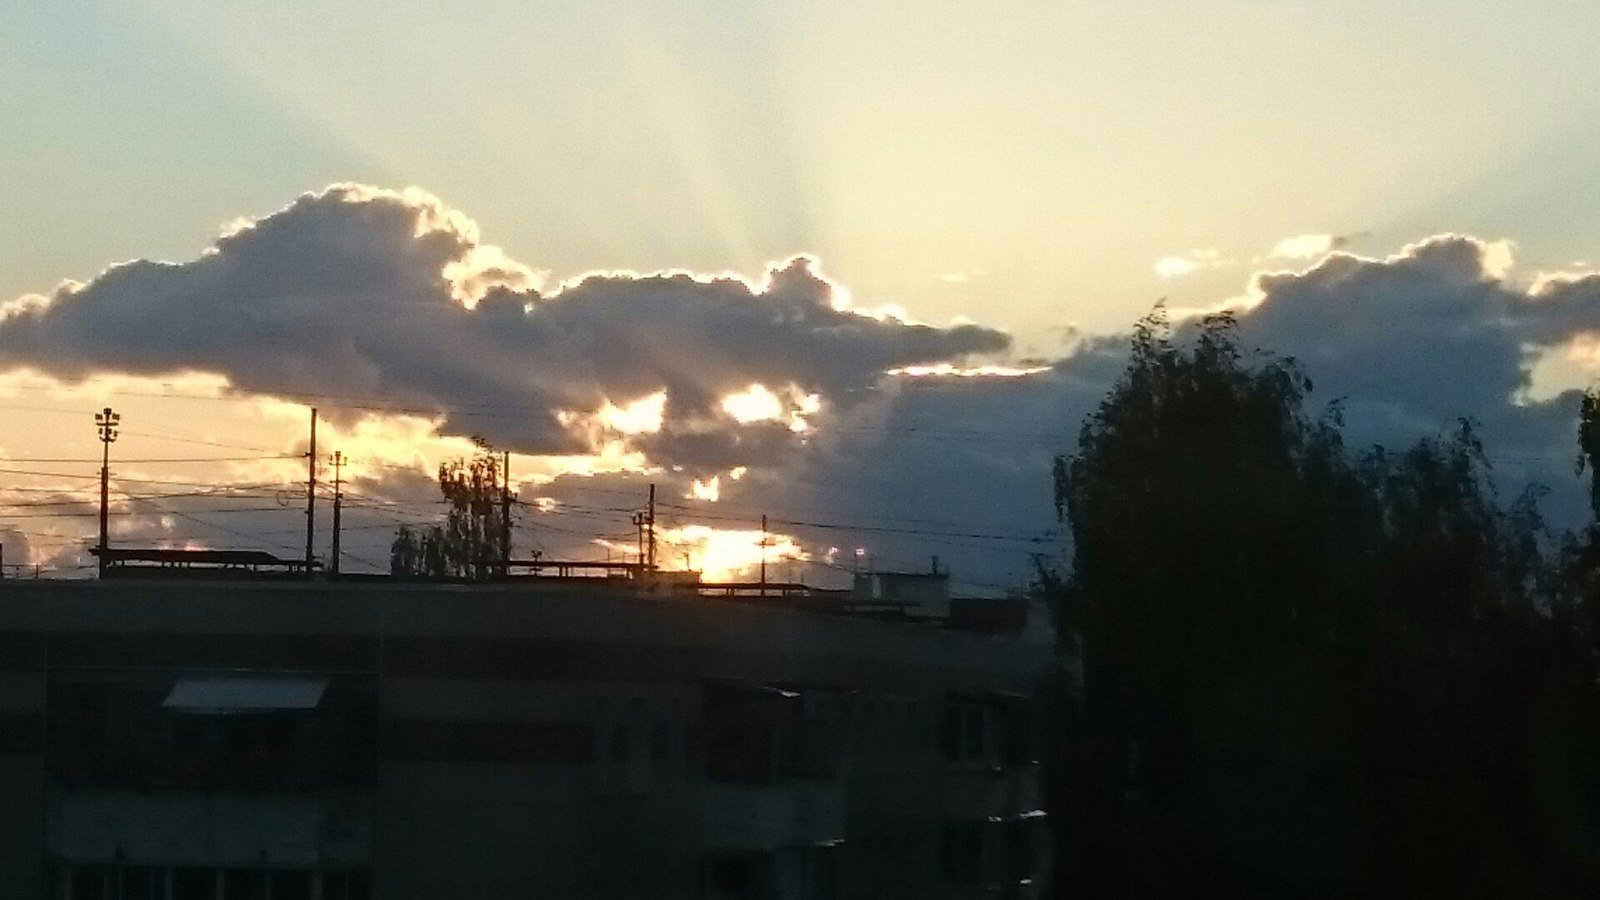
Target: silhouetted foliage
x=1307, y=672
x=418, y=553
x=470, y=543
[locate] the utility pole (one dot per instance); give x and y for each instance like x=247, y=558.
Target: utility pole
x=106, y=423
x=505, y=515
x=763, y=556
x=638, y=528
x=338, y=500
x=311, y=492
x=650, y=528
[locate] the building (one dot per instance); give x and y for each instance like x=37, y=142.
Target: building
x=226, y=734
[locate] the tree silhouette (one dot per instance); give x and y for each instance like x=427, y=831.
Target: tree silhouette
x=470, y=543
x=1306, y=672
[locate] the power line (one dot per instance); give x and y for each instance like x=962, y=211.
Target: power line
x=160, y=459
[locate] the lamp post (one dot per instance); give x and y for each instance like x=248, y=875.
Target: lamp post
x=106, y=423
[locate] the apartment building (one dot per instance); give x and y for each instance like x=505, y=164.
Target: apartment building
x=194, y=734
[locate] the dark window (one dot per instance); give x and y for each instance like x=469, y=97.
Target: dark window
x=660, y=741
x=144, y=883
x=732, y=878
x=1017, y=735
x=758, y=734
x=89, y=882
x=973, y=742
x=1019, y=850
x=352, y=885
x=950, y=733
x=961, y=852
x=619, y=743
x=290, y=884
x=562, y=743
x=194, y=884
x=825, y=871
x=245, y=884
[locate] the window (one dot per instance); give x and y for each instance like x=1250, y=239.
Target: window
x=961, y=852
x=354, y=885
x=972, y=735
x=144, y=883
x=289, y=884
x=1019, y=838
x=245, y=884
x=731, y=878
x=194, y=884
x=92, y=882
x=619, y=743
x=962, y=733
x=660, y=741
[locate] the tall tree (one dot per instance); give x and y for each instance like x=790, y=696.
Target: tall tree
x=1307, y=672
x=471, y=543
x=1213, y=525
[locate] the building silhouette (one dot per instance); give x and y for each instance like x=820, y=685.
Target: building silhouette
x=201, y=728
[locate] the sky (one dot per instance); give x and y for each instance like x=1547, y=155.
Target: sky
x=972, y=185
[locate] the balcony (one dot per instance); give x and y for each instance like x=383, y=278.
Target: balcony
x=759, y=817
x=209, y=828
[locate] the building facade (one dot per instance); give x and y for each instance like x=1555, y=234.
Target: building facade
x=190, y=737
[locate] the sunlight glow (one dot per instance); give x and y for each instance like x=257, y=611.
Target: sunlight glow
x=1304, y=246
x=484, y=268
x=947, y=370
x=726, y=554
x=641, y=416
x=709, y=490
x=758, y=403
x=755, y=404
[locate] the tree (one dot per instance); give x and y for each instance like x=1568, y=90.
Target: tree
x=1213, y=525
x=472, y=542
x=418, y=553
x=1308, y=672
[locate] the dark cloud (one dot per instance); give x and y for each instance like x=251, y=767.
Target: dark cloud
x=359, y=291
x=1408, y=344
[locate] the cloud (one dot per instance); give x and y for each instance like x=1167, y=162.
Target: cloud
x=1178, y=266
x=1311, y=246
x=774, y=395
x=1305, y=246
x=1439, y=330
x=1409, y=343
x=392, y=294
